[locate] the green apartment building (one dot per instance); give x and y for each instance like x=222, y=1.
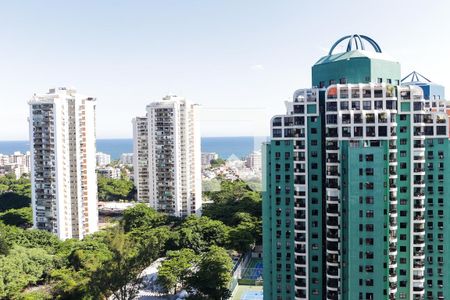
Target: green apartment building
x=356, y=185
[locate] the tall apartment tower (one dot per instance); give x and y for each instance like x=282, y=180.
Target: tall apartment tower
x=168, y=157
x=141, y=158
x=356, y=185
x=64, y=183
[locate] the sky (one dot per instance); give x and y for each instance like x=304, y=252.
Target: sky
x=239, y=59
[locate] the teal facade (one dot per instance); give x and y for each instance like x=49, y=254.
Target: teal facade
x=278, y=223
x=365, y=200
x=355, y=67
x=365, y=208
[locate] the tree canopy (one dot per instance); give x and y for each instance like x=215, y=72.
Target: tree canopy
x=21, y=217
x=110, y=189
x=213, y=274
x=109, y=261
x=141, y=215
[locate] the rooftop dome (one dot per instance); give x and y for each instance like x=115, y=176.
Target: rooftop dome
x=356, y=42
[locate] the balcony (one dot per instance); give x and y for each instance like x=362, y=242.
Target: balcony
x=333, y=258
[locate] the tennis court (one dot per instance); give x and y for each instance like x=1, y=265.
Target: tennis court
x=253, y=270
x=245, y=292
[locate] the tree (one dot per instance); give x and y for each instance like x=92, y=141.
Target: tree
x=141, y=215
x=10, y=200
x=21, y=217
x=176, y=269
x=241, y=239
x=213, y=275
x=79, y=259
x=31, y=238
x=21, y=268
x=119, y=275
x=164, y=237
x=217, y=162
x=198, y=233
x=4, y=247
x=110, y=189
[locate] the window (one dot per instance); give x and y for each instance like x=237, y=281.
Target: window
x=356, y=105
x=379, y=80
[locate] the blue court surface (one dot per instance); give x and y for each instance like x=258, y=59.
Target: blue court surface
x=254, y=270
x=252, y=295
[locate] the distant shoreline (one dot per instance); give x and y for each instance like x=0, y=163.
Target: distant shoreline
x=239, y=146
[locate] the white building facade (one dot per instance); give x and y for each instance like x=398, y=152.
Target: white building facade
x=126, y=158
x=109, y=172
x=17, y=164
x=63, y=161
x=171, y=169
x=102, y=159
x=140, y=161
x=253, y=161
x=207, y=157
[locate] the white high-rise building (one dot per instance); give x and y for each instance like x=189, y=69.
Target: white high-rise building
x=64, y=182
x=207, y=157
x=140, y=161
x=253, y=161
x=102, y=159
x=168, y=157
x=126, y=158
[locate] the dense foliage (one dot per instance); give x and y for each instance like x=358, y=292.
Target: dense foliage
x=14, y=193
x=115, y=189
x=21, y=217
x=237, y=205
x=217, y=162
x=34, y=264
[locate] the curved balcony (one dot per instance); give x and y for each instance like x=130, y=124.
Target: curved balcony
x=393, y=249
x=419, y=183
x=418, y=290
x=419, y=171
x=419, y=220
x=333, y=272
x=300, y=260
x=419, y=241
x=333, y=259
x=333, y=193
x=332, y=295
x=419, y=208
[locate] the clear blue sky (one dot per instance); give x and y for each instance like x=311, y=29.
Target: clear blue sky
x=239, y=59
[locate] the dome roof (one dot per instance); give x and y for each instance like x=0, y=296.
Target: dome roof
x=356, y=42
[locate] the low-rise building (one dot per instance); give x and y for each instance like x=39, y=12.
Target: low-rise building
x=109, y=172
x=102, y=159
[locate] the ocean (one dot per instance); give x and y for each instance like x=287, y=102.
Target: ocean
x=224, y=146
